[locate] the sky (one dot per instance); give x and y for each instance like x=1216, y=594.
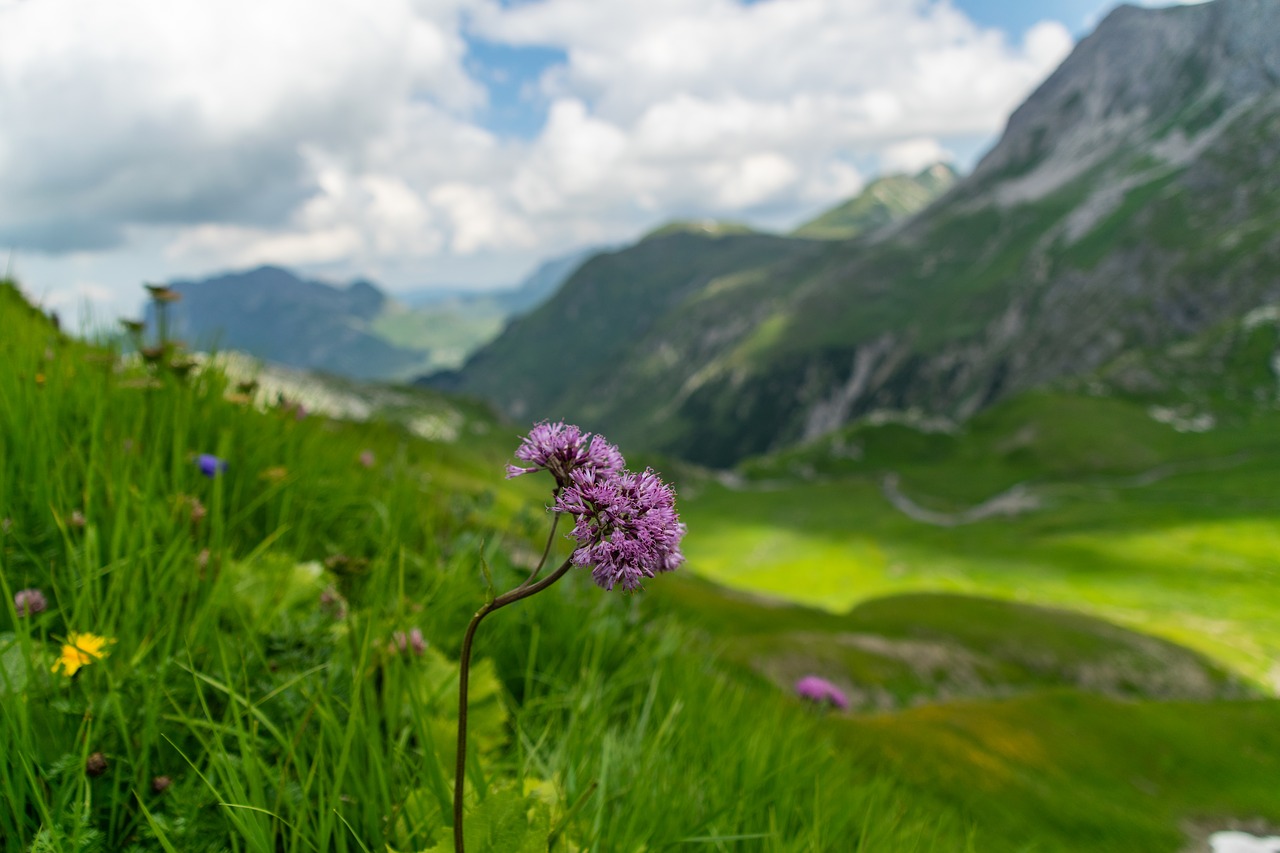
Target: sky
x=457, y=143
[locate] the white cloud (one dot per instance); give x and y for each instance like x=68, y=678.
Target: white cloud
x=912, y=155
x=138, y=111
x=347, y=136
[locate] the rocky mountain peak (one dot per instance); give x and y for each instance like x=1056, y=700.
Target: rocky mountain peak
x=1143, y=77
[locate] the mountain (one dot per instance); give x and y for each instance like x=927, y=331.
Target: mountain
x=274, y=315
x=453, y=323
x=358, y=332
x=560, y=356
x=883, y=201
x=1132, y=202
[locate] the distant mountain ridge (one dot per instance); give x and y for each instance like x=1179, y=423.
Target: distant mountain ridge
x=273, y=314
x=358, y=331
x=885, y=200
x=1133, y=201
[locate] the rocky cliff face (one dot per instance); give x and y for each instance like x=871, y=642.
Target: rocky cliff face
x=1134, y=200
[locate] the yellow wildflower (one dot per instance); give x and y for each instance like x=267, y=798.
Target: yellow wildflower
x=81, y=650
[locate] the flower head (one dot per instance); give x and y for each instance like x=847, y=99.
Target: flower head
x=367, y=458
x=210, y=465
x=412, y=641
x=81, y=650
x=821, y=692
x=626, y=526
x=163, y=293
x=561, y=449
x=96, y=764
x=28, y=602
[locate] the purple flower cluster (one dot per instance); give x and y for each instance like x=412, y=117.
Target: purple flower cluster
x=411, y=642
x=27, y=602
x=561, y=449
x=821, y=692
x=625, y=523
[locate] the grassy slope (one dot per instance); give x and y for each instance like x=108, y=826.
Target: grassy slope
x=1163, y=531
x=883, y=201
x=286, y=728
x=313, y=735
x=1166, y=532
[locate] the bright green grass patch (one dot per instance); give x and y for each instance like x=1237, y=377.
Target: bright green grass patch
x=790, y=563
x=1136, y=556
x=1065, y=771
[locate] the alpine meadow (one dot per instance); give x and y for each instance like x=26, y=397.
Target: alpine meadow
x=947, y=519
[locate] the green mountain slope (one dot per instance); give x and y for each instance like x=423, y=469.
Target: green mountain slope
x=884, y=200
x=1132, y=202
x=564, y=356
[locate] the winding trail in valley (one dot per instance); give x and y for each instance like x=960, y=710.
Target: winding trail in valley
x=1013, y=501
x=1021, y=498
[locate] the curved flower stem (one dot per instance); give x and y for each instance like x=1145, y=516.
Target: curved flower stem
x=464, y=660
x=545, y=552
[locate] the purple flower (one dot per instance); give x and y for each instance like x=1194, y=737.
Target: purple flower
x=821, y=692
x=626, y=526
x=210, y=465
x=367, y=458
x=413, y=641
x=562, y=449
x=28, y=602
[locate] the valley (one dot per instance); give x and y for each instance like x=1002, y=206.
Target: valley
x=977, y=545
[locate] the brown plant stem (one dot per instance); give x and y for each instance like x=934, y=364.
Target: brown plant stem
x=464, y=662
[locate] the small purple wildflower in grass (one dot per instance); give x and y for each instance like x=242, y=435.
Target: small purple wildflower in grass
x=367, y=458
x=210, y=465
x=413, y=641
x=561, y=449
x=28, y=602
x=821, y=692
x=626, y=526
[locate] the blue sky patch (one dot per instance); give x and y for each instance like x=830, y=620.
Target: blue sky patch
x=510, y=73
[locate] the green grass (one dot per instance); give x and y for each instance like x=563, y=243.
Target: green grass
x=1068, y=771
x=1190, y=552
x=601, y=722
x=286, y=728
